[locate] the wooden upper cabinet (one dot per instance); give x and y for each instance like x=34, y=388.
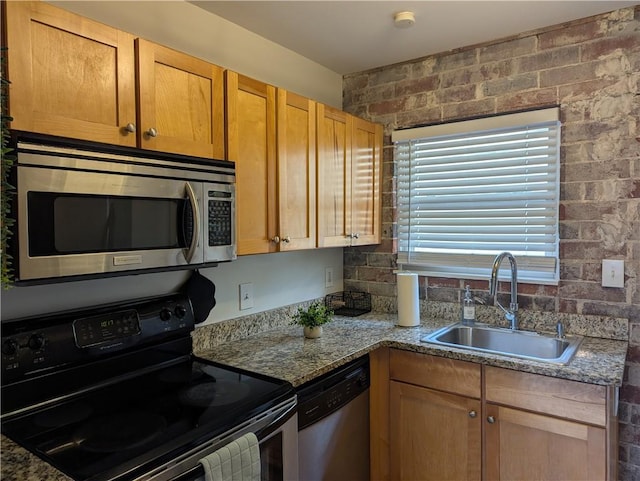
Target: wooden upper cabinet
x=70, y=76
x=181, y=102
x=349, y=179
x=366, y=170
x=296, y=140
x=76, y=78
x=251, y=144
x=334, y=177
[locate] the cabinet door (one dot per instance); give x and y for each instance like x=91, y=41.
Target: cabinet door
x=366, y=168
x=181, y=102
x=334, y=177
x=526, y=446
x=251, y=143
x=433, y=435
x=70, y=76
x=296, y=171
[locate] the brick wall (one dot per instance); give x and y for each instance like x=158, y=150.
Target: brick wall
x=591, y=68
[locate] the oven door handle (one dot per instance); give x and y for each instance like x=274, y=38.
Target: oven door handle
x=276, y=423
x=191, y=196
x=196, y=473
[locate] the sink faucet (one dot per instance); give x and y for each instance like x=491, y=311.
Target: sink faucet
x=512, y=314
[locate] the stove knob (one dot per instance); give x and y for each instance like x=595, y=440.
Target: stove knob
x=180, y=311
x=10, y=347
x=36, y=342
x=165, y=314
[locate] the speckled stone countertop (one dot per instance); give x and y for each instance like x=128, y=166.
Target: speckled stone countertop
x=18, y=464
x=284, y=353
x=266, y=343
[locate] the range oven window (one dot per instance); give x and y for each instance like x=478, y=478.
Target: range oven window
x=272, y=458
x=77, y=224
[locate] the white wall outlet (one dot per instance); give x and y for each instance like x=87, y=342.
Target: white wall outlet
x=328, y=277
x=612, y=273
x=246, y=296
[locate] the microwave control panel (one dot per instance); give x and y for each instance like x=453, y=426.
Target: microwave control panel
x=220, y=218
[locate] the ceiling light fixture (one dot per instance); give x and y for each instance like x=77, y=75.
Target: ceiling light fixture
x=404, y=19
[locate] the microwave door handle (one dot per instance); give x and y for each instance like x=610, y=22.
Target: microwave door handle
x=191, y=195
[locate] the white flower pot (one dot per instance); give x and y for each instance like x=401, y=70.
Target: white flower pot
x=312, y=332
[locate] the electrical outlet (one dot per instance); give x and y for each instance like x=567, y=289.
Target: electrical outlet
x=246, y=296
x=328, y=277
x=612, y=273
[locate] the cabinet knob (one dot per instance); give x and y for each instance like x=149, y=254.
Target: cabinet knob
x=130, y=128
x=286, y=239
x=152, y=132
x=491, y=419
x=472, y=414
x=275, y=240
x=355, y=236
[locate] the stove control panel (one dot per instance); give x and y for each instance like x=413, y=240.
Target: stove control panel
x=33, y=345
x=106, y=328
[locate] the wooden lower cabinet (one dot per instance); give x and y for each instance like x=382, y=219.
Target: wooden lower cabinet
x=453, y=420
x=434, y=435
x=527, y=446
x=539, y=427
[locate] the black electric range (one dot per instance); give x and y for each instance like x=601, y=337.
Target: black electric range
x=114, y=392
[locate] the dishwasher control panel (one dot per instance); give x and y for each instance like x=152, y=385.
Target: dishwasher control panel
x=319, y=398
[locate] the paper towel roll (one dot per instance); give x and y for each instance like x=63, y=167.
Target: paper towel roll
x=408, y=299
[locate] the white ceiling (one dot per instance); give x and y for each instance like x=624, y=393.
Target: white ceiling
x=351, y=36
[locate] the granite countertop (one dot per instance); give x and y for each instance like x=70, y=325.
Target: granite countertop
x=284, y=353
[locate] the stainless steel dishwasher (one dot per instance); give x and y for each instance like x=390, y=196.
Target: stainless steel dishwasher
x=333, y=425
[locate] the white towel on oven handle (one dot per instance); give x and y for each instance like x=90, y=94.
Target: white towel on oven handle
x=237, y=461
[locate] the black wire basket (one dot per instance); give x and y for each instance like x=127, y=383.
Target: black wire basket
x=348, y=303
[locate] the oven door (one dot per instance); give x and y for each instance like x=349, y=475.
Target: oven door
x=277, y=433
x=74, y=222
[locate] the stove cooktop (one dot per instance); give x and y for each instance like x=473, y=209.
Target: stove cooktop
x=118, y=417
x=126, y=428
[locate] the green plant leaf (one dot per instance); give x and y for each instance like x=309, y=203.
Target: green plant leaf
x=316, y=314
x=7, y=191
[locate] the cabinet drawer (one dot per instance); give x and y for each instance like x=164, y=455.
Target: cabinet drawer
x=558, y=397
x=434, y=372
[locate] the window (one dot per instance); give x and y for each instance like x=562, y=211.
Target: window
x=468, y=190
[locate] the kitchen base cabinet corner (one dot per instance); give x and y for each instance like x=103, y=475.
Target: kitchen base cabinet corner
x=456, y=420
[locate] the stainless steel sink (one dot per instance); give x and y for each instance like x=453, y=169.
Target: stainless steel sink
x=507, y=342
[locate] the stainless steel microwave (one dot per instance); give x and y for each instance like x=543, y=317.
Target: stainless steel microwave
x=99, y=210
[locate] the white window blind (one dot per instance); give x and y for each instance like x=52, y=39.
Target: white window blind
x=470, y=190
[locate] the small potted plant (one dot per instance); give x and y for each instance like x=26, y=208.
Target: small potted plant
x=312, y=318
